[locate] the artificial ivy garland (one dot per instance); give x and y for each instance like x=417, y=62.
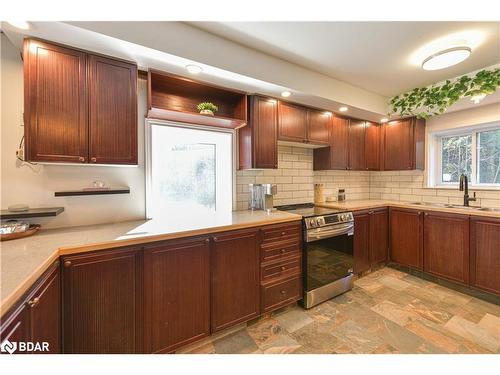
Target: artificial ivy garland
x=425, y=102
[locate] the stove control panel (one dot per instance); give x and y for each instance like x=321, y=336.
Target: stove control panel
x=321, y=221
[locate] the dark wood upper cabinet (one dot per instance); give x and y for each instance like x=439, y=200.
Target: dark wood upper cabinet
x=78, y=107
x=55, y=103
x=356, y=145
x=485, y=254
x=258, y=140
x=112, y=111
x=361, y=241
x=37, y=316
x=404, y=143
x=335, y=156
x=372, y=146
x=292, y=122
x=446, y=246
x=102, y=302
x=406, y=237
x=235, y=278
x=318, y=126
x=176, y=293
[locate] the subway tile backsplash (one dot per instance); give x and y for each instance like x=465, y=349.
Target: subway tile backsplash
x=295, y=179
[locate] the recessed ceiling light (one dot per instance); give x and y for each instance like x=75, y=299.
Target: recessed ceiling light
x=343, y=109
x=476, y=99
x=19, y=24
x=385, y=119
x=286, y=94
x=444, y=59
x=194, y=69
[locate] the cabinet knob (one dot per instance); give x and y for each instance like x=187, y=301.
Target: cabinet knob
x=81, y=158
x=215, y=238
x=207, y=240
x=67, y=263
x=283, y=292
x=283, y=268
x=93, y=160
x=370, y=212
x=33, y=302
x=283, y=233
x=283, y=251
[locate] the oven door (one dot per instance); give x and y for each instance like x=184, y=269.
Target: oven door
x=328, y=255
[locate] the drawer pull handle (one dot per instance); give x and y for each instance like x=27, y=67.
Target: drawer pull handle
x=34, y=302
x=67, y=263
x=81, y=158
x=283, y=251
x=283, y=292
x=283, y=268
x=93, y=160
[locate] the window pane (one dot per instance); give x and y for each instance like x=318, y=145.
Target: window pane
x=456, y=157
x=191, y=171
x=489, y=157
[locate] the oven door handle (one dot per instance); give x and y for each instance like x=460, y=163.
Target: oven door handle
x=335, y=230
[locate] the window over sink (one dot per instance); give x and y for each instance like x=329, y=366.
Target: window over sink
x=189, y=169
x=474, y=152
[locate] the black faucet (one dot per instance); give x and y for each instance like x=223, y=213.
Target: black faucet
x=464, y=186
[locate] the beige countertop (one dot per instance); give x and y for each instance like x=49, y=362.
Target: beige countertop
x=23, y=261
x=365, y=204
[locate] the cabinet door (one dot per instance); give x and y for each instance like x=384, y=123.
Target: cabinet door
x=485, y=254
x=112, y=111
x=446, y=245
x=55, y=103
x=102, y=302
x=406, y=237
x=379, y=235
x=339, y=142
x=15, y=326
x=318, y=126
x=398, y=145
x=361, y=241
x=265, y=132
x=44, y=306
x=372, y=146
x=357, y=145
x=292, y=122
x=177, y=293
x=235, y=278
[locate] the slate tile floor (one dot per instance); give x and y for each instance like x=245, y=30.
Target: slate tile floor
x=387, y=311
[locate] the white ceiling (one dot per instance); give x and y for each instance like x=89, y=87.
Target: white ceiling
x=375, y=56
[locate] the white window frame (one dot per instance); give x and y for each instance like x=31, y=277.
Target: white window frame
x=148, y=154
x=435, y=167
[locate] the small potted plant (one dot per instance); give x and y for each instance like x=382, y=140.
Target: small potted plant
x=207, y=108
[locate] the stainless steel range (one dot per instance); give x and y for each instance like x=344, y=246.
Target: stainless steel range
x=328, y=251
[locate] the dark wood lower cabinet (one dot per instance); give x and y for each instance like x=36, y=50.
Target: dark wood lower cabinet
x=102, y=301
x=406, y=237
x=446, y=246
x=235, y=278
x=37, y=318
x=370, y=238
x=176, y=293
x=485, y=254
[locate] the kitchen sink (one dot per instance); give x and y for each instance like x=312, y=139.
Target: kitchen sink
x=489, y=209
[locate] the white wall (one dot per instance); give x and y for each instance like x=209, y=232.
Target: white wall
x=35, y=185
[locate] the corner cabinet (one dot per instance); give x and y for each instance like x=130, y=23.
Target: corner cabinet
x=78, y=107
x=258, y=145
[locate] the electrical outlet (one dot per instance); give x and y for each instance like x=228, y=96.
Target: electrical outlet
x=20, y=153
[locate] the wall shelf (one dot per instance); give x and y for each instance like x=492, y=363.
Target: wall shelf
x=175, y=98
x=70, y=193
x=32, y=212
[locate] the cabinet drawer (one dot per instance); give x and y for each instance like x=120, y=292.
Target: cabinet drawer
x=284, y=268
x=279, y=250
x=281, y=232
x=281, y=294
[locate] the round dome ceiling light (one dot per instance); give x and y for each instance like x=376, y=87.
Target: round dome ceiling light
x=343, y=109
x=448, y=57
x=286, y=94
x=384, y=120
